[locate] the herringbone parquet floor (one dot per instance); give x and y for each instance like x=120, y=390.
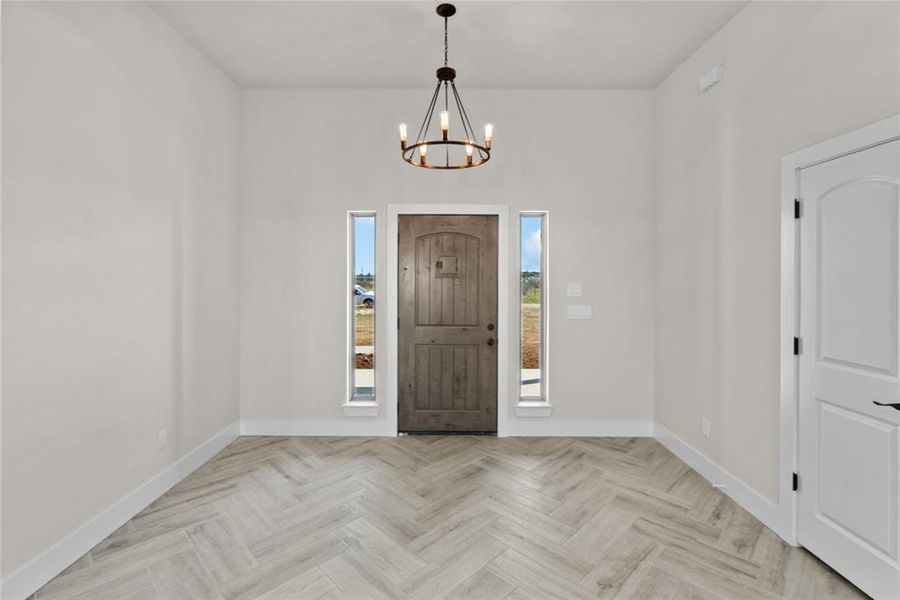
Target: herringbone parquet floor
x=445, y=517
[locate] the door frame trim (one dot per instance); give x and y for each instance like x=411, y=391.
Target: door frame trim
x=504, y=337
x=874, y=134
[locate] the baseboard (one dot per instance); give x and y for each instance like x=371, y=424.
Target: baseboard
x=769, y=513
x=550, y=427
x=355, y=427
x=555, y=427
x=44, y=567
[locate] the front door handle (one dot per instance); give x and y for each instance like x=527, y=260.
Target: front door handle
x=490, y=341
x=895, y=405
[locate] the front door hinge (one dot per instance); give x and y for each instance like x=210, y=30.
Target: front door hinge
x=796, y=208
x=796, y=346
x=398, y=322
x=795, y=482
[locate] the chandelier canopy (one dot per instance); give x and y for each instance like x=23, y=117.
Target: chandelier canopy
x=444, y=152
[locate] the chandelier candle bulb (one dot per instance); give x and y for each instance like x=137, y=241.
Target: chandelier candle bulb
x=445, y=125
x=423, y=155
x=468, y=154
x=488, y=135
x=402, y=128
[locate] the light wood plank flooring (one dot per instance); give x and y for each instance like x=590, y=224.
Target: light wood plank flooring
x=445, y=517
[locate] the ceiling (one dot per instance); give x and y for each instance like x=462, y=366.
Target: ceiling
x=493, y=44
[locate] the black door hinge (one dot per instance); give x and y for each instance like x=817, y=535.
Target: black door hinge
x=796, y=346
x=795, y=482
x=796, y=208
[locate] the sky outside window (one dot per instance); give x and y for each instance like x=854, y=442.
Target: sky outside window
x=531, y=244
x=364, y=236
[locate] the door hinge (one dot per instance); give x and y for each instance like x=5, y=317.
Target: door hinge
x=796, y=346
x=398, y=322
x=796, y=208
x=795, y=482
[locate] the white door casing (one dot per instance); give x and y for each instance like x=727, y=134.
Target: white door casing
x=848, y=454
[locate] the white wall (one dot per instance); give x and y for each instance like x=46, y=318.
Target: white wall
x=120, y=301
x=309, y=156
x=795, y=73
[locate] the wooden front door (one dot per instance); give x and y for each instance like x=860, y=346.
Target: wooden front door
x=448, y=323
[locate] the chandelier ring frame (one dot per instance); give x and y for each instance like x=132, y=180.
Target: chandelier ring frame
x=483, y=151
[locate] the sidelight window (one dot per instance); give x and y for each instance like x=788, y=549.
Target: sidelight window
x=362, y=305
x=533, y=306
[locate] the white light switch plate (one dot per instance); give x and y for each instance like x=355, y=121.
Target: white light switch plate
x=573, y=290
x=579, y=311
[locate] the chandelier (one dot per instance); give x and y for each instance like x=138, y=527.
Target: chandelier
x=446, y=153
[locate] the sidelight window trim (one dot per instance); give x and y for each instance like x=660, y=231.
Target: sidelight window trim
x=535, y=406
x=358, y=405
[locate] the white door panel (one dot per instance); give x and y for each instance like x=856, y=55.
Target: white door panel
x=858, y=275
x=851, y=497
x=849, y=460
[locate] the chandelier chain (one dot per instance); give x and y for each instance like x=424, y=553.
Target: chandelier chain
x=445, y=41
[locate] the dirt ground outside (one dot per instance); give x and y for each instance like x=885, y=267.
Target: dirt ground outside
x=531, y=336
x=365, y=335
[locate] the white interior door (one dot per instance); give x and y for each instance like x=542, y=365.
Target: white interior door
x=849, y=462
